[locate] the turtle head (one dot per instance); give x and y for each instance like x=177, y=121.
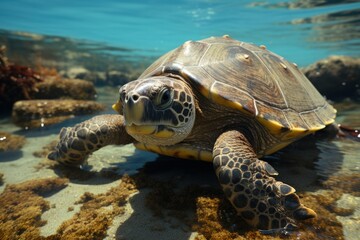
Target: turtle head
x=158, y=110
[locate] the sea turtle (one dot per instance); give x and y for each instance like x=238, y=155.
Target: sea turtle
x=218, y=100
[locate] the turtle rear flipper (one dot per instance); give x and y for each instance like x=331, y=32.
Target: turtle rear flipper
x=248, y=183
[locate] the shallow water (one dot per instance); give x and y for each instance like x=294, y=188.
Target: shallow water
x=303, y=35
x=139, y=32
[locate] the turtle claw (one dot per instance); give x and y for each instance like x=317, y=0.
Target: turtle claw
x=53, y=156
x=270, y=170
x=304, y=213
x=299, y=211
x=292, y=202
x=284, y=189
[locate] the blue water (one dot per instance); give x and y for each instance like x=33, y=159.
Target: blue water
x=154, y=27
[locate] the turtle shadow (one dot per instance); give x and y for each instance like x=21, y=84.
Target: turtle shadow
x=9, y=156
x=165, y=205
x=102, y=169
x=140, y=222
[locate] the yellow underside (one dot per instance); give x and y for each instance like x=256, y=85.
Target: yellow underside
x=179, y=151
x=149, y=130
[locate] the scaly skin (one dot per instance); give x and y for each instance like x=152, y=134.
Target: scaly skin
x=78, y=142
x=248, y=184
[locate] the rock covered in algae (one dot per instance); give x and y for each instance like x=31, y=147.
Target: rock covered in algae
x=19, y=82
x=97, y=212
x=336, y=77
x=109, y=77
x=21, y=207
x=52, y=88
x=10, y=142
x=39, y=113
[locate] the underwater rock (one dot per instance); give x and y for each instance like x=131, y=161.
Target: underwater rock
x=111, y=77
x=53, y=88
x=97, y=78
x=115, y=78
x=19, y=82
x=337, y=28
x=39, y=113
x=336, y=77
x=351, y=223
x=77, y=72
x=308, y=3
x=11, y=142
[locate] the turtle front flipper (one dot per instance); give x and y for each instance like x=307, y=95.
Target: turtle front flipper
x=78, y=142
x=247, y=182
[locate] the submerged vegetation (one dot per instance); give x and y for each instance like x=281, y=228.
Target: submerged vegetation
x=201, y=209
x=16, y=82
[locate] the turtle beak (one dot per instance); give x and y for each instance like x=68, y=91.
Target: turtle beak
x=117, y=106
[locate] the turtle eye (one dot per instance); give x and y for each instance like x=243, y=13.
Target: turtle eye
x=122, y=95
x=164, y=98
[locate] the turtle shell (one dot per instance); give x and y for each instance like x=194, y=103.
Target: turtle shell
x=252, y=80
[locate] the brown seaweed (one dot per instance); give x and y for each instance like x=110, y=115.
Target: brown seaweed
x=16, y=81
x=21, y=207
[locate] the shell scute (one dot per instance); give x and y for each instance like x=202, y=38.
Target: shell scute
x=243, y=102
x=313, y=122
x=327, y=114
x=299, y=94
x=228, y=65
x=189, y=54
x=273, y=118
